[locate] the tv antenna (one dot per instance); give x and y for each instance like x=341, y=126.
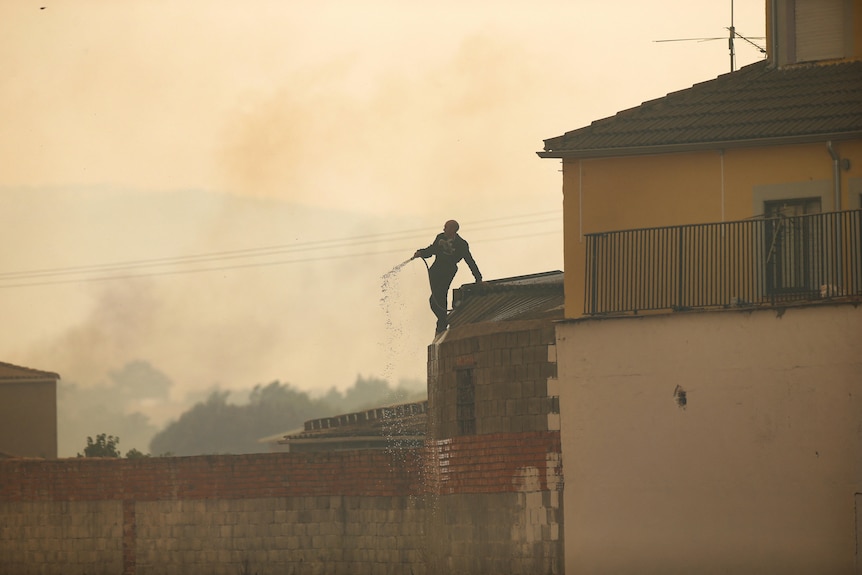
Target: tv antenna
x=733, y=34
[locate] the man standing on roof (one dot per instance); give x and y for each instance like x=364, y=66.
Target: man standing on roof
x=448, y=249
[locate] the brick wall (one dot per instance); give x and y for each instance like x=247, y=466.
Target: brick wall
x=496, y=463
x=366, y=473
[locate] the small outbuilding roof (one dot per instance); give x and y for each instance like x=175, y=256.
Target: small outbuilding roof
x=378, y=427
x=756, y=105
x=536, y=296
x=9, y=372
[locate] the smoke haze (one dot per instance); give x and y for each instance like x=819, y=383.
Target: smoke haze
x=216, y=189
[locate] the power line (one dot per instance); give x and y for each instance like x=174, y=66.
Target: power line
x=242, y=266
x=268, y=251
x=262, y=251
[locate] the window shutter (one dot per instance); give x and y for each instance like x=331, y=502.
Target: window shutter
x=819, y=30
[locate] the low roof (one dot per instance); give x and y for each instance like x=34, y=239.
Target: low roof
x=756, y=105
x=535, y=296
x=9, y=372
x=391, y=421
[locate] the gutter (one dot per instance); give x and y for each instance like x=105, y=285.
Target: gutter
x=350, y=439
x=836, y=182
x=836, y=174
x=698, y=146
x=774, y=35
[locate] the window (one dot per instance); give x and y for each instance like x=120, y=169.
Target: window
x=466, y=402
x=795, y=256
x=819, y=30
x=813, y=30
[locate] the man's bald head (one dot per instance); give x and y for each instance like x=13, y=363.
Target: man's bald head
x=450, y=228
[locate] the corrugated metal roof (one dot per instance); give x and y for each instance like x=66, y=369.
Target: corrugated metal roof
x=17, y=373
x=755, y=103
x=402, y=420
x=537, y=296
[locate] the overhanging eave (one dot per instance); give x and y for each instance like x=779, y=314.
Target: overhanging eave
x=696, y=146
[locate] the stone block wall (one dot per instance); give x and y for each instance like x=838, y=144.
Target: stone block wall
x=79, y=535
x=507, y=366
x=332, y=534
x=334, y=512
x=466, y=505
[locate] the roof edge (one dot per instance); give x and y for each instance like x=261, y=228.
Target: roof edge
x=697, y=146
x=26, y=373
x=348, y=439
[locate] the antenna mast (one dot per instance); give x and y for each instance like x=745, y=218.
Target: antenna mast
x=730, y=40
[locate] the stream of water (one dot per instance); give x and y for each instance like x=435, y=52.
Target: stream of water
x=393, y=306
x=395, y=343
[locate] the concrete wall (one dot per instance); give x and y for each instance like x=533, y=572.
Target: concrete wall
x=713, y=442
x=28, y=418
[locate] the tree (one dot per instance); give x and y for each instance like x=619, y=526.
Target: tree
x=103, y=446
x=134, y=453
x=371, y=392
x=219, y=426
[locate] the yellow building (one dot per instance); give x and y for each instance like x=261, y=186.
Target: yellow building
x=766, y=139
x=709, y=369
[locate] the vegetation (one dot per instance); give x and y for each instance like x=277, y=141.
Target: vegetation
x=135, y=454
x=219, y=426
x=114, y=405
x=103, y=446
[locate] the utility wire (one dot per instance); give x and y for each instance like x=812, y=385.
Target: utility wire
x=132, y=265
x=242, y=266
x=263, y=251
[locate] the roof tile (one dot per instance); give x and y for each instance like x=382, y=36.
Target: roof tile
x=755, y=102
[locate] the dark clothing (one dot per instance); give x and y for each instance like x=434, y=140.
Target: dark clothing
x=447, y=253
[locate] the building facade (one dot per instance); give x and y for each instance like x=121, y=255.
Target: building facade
x=711, y=343
x=28, y=412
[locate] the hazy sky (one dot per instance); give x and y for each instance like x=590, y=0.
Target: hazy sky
x=337, y=135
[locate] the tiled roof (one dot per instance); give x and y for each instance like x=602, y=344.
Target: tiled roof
x=757, y=104
x=9, y=372
x=403, y=420
x=537, y=296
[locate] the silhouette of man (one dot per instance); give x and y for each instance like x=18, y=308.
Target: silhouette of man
x=448, y=248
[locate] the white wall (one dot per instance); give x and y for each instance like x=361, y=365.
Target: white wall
x=757, y=473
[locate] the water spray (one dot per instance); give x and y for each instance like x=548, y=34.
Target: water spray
x=387, y=278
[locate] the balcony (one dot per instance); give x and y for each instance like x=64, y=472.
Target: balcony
x=756, y=262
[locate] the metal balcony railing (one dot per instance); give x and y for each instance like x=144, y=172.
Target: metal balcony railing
x=730, y=264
